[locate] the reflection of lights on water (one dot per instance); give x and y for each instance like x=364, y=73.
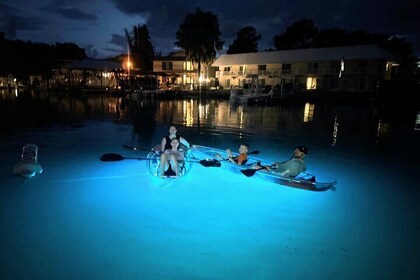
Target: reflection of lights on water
x=335, y=131
x=112, y=107
x=378, y=131
x=308, y=114
x=417, y=123
x=241, y=118
x=188, y=112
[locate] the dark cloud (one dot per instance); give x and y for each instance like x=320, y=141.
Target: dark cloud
x=70, y=13
x=120, y=41
x=271, y=17
x=91, y=51
x=11, y=21
x=163, y=17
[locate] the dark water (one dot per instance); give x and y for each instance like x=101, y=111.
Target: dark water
x=86, y=219
x=385, y=129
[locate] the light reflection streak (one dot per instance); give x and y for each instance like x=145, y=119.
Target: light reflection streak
x=335, y=131
x=378, y=131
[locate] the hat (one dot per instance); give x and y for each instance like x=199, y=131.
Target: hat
x=303, y=149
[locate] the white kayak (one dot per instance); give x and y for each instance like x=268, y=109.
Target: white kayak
x=28, y=166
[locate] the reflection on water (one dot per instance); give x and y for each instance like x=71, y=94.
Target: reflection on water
x=364, y=127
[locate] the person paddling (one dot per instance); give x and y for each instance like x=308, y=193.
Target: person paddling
x=290, y=168
x=241, y=159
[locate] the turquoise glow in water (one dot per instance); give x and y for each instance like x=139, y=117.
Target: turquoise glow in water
x=87, y=219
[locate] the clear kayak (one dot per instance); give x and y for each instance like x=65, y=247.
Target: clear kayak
x=153, y=163
x=304, y=180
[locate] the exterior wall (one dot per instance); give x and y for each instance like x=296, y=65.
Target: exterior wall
x=84, y=78
x=358, y=75
x=180, y=77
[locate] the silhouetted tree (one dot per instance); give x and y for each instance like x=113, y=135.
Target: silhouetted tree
x=141, y=47
x=300, y=35
x=22, y=59
x=199, y=36
x=245, y=42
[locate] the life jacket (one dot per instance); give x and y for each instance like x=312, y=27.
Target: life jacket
x=168, y=142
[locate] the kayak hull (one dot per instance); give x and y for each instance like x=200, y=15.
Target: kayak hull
x=153, y=164
x=304, y=180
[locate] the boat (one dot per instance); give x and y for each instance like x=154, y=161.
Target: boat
x=28, y=166
x=251, y=92
x=304, y=180
x=153, y=163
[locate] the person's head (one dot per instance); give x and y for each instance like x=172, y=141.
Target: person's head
x=172, y=129
x=174, y=143
x=243, y=148
x=300, y=151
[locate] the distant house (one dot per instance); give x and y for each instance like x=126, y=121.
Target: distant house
x=87, y=73
x=345, y=69
x=176, y=71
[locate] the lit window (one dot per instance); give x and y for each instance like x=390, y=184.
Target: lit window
x=311, y=83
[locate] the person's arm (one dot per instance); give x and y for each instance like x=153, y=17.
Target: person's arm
x=185, y=143
x=163, y=144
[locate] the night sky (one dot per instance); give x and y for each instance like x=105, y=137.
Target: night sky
x=98, y=25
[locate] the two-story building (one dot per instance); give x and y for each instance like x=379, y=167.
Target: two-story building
x=344, y=69
x=177, y=72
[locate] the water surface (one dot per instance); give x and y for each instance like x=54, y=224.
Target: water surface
x=87, y=219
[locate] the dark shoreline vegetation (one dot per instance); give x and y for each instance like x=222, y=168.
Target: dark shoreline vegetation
x=22, y=59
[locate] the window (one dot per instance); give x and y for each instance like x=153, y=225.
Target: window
x=311, y=83
x=188, y=66
x=312, y=68
x=228, y=83
x=226, y=69
x=286, y=69
x=262, y=69
x=166, y=65
x=242, y=70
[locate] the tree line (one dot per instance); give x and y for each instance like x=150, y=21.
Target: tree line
x=22, y=58
x=199, y=36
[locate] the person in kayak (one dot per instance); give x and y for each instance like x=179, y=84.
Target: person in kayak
x=241, y=159
x=171, y=158
x=290, y=168
x=166, y=141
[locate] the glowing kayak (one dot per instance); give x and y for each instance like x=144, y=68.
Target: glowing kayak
x=304, y=180
x=28, y=166
x=153, y=163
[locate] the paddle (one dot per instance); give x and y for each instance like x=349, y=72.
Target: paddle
x=111, y=157
x=136, y=148
x=251, y=172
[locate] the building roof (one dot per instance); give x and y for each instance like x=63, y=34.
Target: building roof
x=93, y=64
x=173, y=56
x=290, y=56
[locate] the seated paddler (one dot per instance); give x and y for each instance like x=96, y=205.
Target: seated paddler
x=290, y=168
x=170, y=159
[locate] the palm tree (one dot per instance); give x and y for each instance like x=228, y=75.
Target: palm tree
x=199, y=35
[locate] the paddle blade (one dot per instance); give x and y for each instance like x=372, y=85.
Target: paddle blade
x=111, y=157
x=210, y=163
x=249, y=172
x=254, y=153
